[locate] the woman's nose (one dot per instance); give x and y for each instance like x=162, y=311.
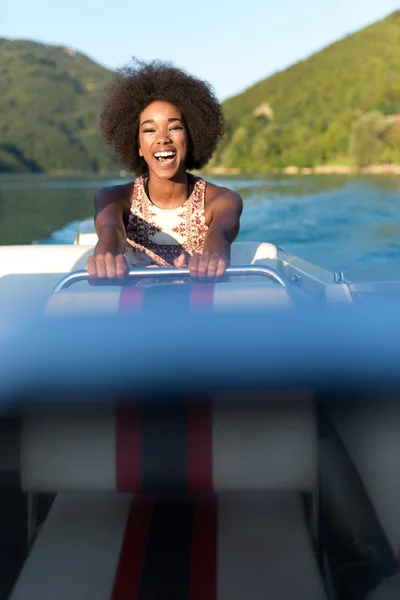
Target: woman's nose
x=164, y=137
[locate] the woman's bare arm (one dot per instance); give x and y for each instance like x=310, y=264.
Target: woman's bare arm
x=223, y=229
x=225, y=209
x=108, y=259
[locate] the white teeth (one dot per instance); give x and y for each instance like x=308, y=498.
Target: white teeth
x=164, y=154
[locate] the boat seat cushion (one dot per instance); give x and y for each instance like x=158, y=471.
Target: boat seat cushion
x=194, y=448
x=115, y=546
x=28, y=274
x=219, y=297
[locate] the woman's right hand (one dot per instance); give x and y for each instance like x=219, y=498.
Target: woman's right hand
x=107, y=266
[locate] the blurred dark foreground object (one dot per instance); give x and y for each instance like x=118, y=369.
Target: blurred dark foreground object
x=350, y=348
x=207, y=456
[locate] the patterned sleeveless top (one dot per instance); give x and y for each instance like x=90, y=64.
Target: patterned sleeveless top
x=157, y=236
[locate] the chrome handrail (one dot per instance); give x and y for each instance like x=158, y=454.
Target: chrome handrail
x=168, y=272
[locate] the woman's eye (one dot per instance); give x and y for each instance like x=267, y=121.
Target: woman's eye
x=148, y=130
x=176, y=127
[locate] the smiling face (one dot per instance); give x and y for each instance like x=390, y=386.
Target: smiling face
x=163, y=139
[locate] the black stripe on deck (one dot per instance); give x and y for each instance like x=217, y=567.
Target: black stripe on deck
x=163, y=298
x=163, y=448
x=166, y=571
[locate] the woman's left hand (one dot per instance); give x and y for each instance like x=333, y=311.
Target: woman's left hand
x=206, y=266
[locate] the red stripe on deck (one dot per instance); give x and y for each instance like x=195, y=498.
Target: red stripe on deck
x=201, y=296
x=128, y=473
x=133, y=551
x=199, y=447
x=131, y=299
x=204, y=561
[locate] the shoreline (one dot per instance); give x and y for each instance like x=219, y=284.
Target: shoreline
x=377, y=169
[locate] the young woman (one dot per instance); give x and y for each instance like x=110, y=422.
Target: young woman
x=163, y=123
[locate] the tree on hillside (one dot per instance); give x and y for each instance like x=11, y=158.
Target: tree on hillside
x=366, y=138
x=391, y=153
x=238, y=149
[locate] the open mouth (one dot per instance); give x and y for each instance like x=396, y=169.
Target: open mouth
x=165, y=157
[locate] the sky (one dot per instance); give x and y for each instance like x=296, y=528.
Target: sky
x=231, y=44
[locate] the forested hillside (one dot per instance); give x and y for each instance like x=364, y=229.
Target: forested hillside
x=50, y=99
x=318, y=111
x=339, y=106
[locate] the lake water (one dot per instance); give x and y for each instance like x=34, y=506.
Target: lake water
x=340, y=223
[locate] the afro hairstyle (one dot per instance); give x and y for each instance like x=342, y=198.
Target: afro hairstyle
x=139, y=84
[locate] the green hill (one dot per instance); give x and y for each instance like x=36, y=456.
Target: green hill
x=50, y=100
x=337, y=106
x=308, y=111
